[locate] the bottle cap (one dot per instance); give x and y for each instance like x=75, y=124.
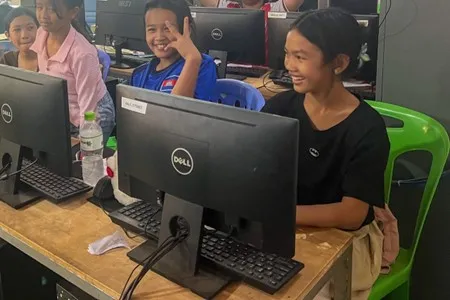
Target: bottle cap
x=89, y=116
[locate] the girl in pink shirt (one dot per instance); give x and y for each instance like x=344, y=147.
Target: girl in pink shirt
x=64, y=52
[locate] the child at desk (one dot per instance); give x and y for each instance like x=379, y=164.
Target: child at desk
x=20, y=28
x=344, y=146
x=64, y=52
x=178, y=68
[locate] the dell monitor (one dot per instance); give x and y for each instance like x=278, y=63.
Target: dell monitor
x=209, y=157
x=120, y=24
x=233, y=35
x=280, y=23
x=34, y=124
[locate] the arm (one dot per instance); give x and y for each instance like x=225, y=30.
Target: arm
x=209, y=3
x=348, y=214
x=87, y=75
x=187, y=81
x=292, y=5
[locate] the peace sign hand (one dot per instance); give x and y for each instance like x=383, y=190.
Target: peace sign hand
x=183, y=43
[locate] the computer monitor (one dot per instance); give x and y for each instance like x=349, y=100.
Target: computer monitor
x=121, y=24
x=362, y=7
x=239, y=34
x=207, y=156
x=279, y=25
x=34, y=123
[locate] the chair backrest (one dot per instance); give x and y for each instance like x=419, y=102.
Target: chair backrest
x=238, y=93
x=419, y=132
x=105, y=61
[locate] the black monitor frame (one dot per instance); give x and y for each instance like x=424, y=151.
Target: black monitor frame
x=34, y=124
x=120, y=24
x=213, y=157
x=231, y=35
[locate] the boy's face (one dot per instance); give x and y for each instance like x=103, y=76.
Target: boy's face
x=305, y=63
x=157, y=34
x=22, y=32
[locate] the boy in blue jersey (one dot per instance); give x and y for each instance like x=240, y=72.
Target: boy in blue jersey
x=178, y=68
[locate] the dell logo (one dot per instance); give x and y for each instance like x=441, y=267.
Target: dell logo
x=7, y=114
x=217, y=34
x=182, y=161
x=124, y=3
x=314, y=152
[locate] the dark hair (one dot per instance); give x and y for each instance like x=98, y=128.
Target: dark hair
x=70, y=4
x=18, y=12
x=178, y=7
x=334, y=32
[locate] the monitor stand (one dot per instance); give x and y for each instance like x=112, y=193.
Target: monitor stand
x=117, y=63
x=181, y=264
x=12, y=191
x=223, y=57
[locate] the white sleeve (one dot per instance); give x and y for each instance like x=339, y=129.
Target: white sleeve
x=277, y=6
x=222, y=4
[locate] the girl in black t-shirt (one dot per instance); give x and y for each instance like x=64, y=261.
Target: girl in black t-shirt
x=344, y=146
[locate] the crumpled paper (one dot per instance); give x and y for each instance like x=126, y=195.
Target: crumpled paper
x=113, y=241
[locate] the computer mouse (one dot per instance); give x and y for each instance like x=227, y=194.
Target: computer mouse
x=103, y=189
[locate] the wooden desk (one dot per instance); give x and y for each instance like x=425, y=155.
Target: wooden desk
x=267, y=88
x=58, y=237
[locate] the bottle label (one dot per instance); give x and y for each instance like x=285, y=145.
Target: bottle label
x=91, y=143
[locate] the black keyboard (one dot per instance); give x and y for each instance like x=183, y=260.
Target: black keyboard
x=140, y=217
x=264, y=271
x=249, y=72
x=282, y=78
x=57, y=188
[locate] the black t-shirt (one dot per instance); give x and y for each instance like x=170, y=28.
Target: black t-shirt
x=349, y=159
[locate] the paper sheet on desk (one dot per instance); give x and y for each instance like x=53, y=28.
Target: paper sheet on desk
x=115, y=240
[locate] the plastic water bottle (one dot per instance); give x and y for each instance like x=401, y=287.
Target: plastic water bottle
x=91, y=146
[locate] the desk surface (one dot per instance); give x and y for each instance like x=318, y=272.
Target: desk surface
x=267, y=88
x=58, y=236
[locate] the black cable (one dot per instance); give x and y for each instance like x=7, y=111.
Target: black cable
x=165, y=248
x=138, y=265
x=153, y=261
x=170, y=243
x=6, y=176
x=386, y=14
x=5, y=167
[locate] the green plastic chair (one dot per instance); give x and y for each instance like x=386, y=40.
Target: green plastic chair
x=419, y=132
x=112, y=143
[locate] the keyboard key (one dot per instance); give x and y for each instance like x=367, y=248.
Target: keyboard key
x=282, y=268
x=232, y=265
x=250, y=272
x=269, y=273
x=260, y=277
x=259, y=270
x=273, y=282
x=278, y=277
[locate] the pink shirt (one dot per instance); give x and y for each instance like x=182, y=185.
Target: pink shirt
x=77, y=62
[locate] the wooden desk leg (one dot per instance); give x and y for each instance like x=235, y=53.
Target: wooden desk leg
x=342, y=276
